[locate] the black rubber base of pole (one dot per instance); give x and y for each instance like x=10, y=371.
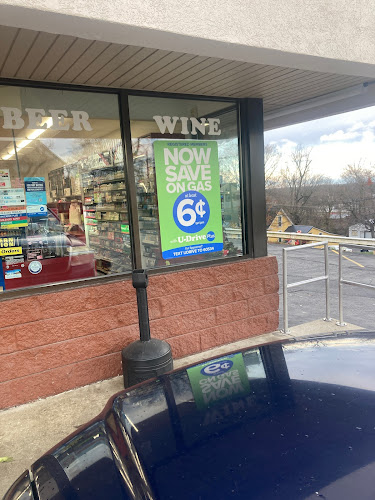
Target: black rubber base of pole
x=144, y=360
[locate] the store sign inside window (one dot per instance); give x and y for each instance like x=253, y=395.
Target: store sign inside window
x=58, y=119
x=209, y=126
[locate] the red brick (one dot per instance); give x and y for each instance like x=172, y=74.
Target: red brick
x=248, y=289
x=41, y=385
x=230, y=273
x=201, y=277
x=19, y=311
x=155, y=308
x=118, y=292
x=231, y=312
x=262, y=266
x=85, y=298
x=179, y=303
x=127, y=314
x=8, y=341
x=60, y=303
x=156, y=286
x=183, y=345
x=210, y=337
x=53, y=330
x=181, y=324
x=224, y=334
x=65, y=302
x=237, y=330
x=217, y=295
x=44, y=358
x=271, y=284
x=263, y=304
x=79, y=329
x=257, y=325
x=181, y=282
x=273, y=321
x=197, y=279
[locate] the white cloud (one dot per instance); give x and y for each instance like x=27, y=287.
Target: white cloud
x=331, y=158
x=336, y=141
x=285, y=146
x=339, y=135
x=357, y=126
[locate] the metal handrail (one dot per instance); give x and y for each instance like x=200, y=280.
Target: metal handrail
x=347, y=282
x=332, y=239
x=304, y=282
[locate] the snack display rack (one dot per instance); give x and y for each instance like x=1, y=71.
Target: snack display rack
x=105, y=213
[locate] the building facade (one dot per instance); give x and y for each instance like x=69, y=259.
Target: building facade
x=132, y=137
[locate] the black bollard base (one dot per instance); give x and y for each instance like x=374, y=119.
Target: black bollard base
x=142, y=360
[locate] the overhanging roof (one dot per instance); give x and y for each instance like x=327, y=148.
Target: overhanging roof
x=41, y=56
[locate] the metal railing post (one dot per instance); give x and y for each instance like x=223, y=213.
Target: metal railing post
x=326, y=268
x=340, y=322
x=304, y=282
x=285, y=291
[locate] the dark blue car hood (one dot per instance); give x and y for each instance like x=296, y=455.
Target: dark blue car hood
x=298, y=423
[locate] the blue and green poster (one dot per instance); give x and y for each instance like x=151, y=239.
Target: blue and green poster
x=188, y=183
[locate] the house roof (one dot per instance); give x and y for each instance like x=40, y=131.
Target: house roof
x=297, y=227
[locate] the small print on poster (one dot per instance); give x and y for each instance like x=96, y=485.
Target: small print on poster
x=12, y=197
x=13, y=217
x=36, y=196
x=36, y=210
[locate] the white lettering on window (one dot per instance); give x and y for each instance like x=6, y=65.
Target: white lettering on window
x=168, y=123
x=58, y=119
x=81, y=119
x=12, y=118
x=35, y=117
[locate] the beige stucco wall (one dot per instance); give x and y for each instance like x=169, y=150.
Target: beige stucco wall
x=324, y=35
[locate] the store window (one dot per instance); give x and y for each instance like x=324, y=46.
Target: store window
x=63, y=206
x=186, y=164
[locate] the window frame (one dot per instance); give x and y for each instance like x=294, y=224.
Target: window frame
x=250, y=150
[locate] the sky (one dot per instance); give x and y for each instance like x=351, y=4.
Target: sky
x=336, y=141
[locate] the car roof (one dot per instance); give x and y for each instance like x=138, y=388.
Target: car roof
x=285, y=420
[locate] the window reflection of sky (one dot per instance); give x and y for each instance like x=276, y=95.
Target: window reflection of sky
x=349, y=364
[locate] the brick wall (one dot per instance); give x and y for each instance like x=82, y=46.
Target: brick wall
x=58, y=341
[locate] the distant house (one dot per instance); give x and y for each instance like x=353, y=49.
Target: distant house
x=279, y=223
x=359, y=231
x=299, y=228
x=339, y=213
x=283, y=223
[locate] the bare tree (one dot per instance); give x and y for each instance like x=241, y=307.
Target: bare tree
x=272, y=158
x=323, y=203
x=359, y=194
x=300, y=182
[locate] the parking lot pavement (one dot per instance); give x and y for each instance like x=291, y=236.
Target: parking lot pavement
x=307, y=302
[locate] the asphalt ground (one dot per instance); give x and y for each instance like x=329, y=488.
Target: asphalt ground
x=307, y=302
